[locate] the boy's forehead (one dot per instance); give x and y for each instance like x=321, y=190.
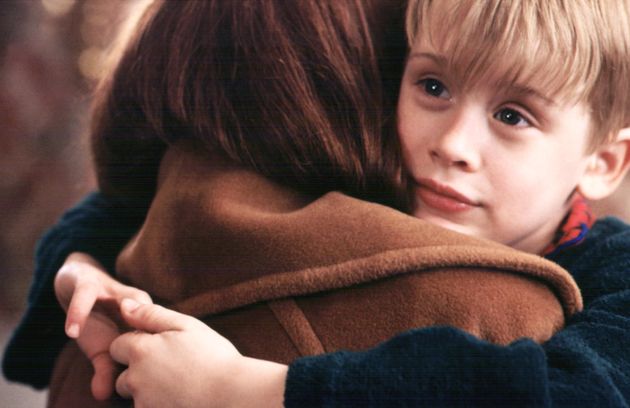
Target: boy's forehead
x=571, y=51
x=518, y=78
x=523, y=64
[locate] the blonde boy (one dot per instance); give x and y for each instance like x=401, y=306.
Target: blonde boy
x=508, y=110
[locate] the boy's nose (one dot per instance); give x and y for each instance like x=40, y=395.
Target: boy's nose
x=457, y=145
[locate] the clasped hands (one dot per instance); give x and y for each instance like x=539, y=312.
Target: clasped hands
x=168, y=359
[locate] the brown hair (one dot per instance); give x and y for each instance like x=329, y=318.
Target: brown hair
x=291, y=89
x=569, y=50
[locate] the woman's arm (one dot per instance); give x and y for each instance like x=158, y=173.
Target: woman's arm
x=99, y=226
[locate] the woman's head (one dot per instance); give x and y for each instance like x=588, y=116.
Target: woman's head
x=291, y=89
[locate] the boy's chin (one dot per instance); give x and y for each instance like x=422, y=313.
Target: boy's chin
x=448, y=224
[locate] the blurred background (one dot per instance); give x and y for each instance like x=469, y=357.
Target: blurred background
x=51, y=55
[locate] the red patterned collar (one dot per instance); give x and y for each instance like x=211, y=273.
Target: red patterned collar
x=574, y=226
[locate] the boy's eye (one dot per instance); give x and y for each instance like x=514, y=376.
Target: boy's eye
x=511, y=117
x=434, y=88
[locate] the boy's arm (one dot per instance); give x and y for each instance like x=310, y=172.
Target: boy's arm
x=586, y=364
x=99, y=226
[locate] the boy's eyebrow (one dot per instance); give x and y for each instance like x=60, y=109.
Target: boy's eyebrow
x=438, y=59
x=526, y=91
x=512, y=88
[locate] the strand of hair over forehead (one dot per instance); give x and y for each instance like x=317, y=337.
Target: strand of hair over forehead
x=482, y=37
x=567, y=50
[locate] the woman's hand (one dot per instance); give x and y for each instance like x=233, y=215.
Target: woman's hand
x=90, y=297
x=178, y=361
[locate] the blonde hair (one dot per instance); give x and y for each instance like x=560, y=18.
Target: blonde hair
x=569, y=50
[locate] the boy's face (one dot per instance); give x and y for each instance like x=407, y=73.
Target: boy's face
x=489, y=160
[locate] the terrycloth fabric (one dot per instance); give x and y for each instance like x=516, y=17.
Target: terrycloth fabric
x=586, y=364
x=282, y=275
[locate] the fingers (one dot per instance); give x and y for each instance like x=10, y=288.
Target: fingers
x=81, y=283
x=141, y=296
x=122, y=385
x=153, y=318
x=77, y=287
x=128, y=349
x=104, y=374
x=80, y=307
x=121, y=348
x=123, y=291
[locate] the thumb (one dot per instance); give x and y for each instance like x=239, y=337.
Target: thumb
x=152, y=318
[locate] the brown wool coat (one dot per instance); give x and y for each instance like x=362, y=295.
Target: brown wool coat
x=284, y=276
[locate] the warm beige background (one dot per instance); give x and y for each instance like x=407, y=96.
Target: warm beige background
x=51, y=52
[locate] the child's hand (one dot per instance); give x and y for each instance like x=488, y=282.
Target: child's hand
x=90, y=297
x=184, y=363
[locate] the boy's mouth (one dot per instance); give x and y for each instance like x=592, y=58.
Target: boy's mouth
x=442, y=197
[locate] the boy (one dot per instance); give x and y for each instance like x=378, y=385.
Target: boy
x=509, y=112
x=505, y=121
x=477, y=138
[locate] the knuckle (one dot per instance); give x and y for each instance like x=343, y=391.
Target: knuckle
x=150, y=312
x=68, y=269
x=126, y=384
x=131, y=383
x=86, y=286
x=143, y=296
x=138, y=350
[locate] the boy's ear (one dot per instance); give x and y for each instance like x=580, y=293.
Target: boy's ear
x=606, y=168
